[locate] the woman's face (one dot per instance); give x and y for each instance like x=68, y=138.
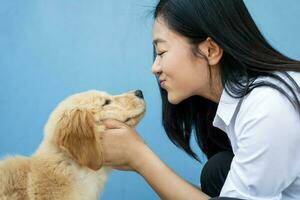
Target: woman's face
x=181, y=73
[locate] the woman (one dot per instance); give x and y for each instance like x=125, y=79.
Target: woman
x=220, y=77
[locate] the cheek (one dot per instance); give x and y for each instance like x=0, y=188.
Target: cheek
x=186, y=84
x=178, y=88
x=177, y=63
x=112, y=113
x=185, y=79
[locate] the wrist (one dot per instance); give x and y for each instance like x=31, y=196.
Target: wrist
x=141, y=157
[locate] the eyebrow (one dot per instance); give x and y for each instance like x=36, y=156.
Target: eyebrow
x=158, y=40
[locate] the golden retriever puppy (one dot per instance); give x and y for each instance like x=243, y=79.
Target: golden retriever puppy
x=68, y=163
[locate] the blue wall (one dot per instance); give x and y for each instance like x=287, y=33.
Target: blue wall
x=53, y=48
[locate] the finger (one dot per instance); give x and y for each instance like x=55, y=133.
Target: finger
x=113, y=124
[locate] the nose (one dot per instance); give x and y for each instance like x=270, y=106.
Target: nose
x=156, y=68
x=139, y=94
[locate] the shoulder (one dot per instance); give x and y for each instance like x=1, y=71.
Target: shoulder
x=267, y=113
x=266, y=100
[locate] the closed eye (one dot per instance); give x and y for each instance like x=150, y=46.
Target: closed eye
x=161, y=53
x=107, y=101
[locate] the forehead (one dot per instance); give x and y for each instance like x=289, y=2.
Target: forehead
x=160, y=27
x=90, y=94
x=162, y=34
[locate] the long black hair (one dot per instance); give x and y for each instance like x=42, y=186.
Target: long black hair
x=247, y=56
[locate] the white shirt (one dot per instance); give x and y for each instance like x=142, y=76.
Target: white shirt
x=264, y=131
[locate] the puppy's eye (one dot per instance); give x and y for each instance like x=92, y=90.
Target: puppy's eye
x=107, y=101
x=127, y=119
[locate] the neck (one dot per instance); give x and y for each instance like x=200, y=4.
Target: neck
x=50, y=153
x=215, y=85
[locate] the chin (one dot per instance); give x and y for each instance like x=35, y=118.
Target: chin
x=174, y=100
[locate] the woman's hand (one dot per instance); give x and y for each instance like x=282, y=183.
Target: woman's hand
x=122, y=146
x=125, y=150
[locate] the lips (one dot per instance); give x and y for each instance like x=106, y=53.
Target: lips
x=162, y=83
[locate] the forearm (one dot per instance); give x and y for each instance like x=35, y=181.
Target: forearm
x=167, y=184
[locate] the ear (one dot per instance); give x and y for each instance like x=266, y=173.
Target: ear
x=212, y=51
x=76, y=136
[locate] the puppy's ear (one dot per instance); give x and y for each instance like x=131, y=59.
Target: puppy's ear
x=76, y=135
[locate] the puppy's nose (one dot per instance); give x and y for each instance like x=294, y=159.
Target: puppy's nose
x=139, y=94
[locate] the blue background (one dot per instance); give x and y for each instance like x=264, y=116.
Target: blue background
x=53, y=48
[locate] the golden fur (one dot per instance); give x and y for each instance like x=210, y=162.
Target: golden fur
x=68, y=163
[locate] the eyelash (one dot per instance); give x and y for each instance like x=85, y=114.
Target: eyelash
x=160, y=54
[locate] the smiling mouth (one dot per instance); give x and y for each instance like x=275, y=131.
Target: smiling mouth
x=135, y=116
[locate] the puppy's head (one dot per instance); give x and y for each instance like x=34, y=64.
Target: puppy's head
x=74, y=125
